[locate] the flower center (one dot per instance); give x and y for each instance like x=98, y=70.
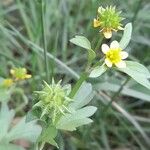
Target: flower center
x=114, y=55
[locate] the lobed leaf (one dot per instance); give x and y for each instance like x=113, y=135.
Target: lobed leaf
x=29, y=131
x=22, y=130
x=80, y=117
x=6, y=117
x=48, y=135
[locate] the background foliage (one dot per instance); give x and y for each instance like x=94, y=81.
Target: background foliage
x=126, y=125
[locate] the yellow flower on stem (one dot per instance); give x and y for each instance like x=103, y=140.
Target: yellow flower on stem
x=108, y=20
x=20, y=73
x=7, y=83
x=114, y=55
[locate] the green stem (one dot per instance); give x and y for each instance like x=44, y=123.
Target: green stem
x=82, y=78
x=43, y=24
x=42, y=146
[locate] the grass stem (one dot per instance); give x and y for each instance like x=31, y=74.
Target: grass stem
x=43, y=25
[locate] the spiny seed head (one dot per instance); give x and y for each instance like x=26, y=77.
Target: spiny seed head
x=53, y=100
x=108, y=19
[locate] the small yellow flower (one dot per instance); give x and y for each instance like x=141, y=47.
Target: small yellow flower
x=20, y=73
x=7, y=83
x=114, y=55
x=108, y=19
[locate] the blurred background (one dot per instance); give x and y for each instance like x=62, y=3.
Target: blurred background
x=126, y=125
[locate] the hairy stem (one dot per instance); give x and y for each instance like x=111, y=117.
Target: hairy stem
x=42, y=146
x=78, y=84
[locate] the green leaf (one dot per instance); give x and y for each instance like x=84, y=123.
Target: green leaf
x=5, y=94
x=126, y=36
x=29, y=131
x=98, y=71
x=10, y=147
x=83, y=96
x=6, y=117
x=30, y=116
x=22, y=130
x=138, y=72
x=82, y=42
x=80, y=117
x=48, y=135
x=137, y=91
x=78, y=84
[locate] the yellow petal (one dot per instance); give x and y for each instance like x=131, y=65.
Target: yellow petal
x=107, y=34
x=108, y=63
x=121, y=64
x=28, y=76
x=96, y=23
x=124, y=55
x=105, y=48
x=12, y=71
x=114, y=45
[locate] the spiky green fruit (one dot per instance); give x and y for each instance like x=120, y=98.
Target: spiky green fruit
x=108, y=19
x=53, y=100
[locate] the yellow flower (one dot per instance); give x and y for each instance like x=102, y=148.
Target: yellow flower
x=114, y=55
x=20, y=73
x=108, y=20
x=7, y=83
